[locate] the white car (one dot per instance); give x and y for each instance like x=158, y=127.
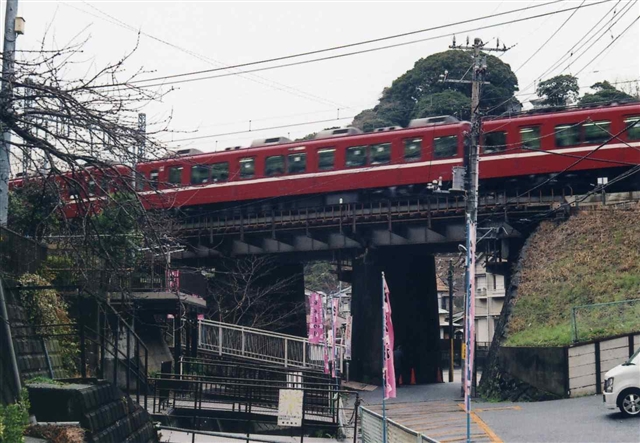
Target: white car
x=622, y=387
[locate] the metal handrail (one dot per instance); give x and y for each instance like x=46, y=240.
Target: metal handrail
x=281, y=356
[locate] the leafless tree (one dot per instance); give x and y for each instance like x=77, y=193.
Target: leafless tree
x=248, y=292
x=75, y=141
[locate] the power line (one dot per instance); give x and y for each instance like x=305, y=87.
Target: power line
x=549, y=39
x=200, y=137
x=350, y=45
x=364, y=51
x=281, y=87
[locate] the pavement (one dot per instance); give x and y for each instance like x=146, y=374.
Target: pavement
x=437, y=411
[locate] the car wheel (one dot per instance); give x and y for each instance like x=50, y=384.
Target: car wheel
x=629, y=402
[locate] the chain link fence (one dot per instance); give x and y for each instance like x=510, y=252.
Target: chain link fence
x=599, y=320
x=372, y=429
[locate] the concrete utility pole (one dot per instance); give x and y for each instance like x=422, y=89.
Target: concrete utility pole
x=8, y=57
x=451, y=333
x=471, y=163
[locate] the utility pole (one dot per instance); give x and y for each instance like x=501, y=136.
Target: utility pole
x=471, y=176
x=451, y=334
x=8, y=57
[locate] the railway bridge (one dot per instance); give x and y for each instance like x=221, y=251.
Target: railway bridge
x=397, y=237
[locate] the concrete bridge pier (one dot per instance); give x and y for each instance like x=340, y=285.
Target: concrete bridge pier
x=411, y=276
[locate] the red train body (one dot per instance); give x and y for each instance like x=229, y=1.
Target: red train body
x=515, y=152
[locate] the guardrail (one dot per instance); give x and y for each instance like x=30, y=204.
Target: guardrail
x=372, y=430
x=260, y=345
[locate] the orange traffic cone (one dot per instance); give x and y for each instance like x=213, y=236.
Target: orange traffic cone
x=413, y=376
x=400, y=380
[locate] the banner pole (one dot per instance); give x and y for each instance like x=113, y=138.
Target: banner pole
x=384, y=375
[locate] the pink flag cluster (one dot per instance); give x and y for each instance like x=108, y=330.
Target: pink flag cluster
x=388, y=368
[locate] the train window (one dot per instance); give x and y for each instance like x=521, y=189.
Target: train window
x=634, y=132
x=175, y=175
x=530, y=137
x=494, y=142
x=153, y=179
x=326, y=159
x=597, y=132
x=274, y=165
x=568, y=135
x=247, y=167
x=199, y=174
x=139, y=181
x=356, y=156
x=380, y=154
x=91, y=188
x=219, y=172
x=412, y=149
x=445, y=146
x=297, y=163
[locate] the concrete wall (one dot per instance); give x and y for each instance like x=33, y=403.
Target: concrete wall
x=543, y=368
x=570, y=371
x=590, y=361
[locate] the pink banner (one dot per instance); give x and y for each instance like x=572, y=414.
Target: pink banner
x=347, y=339
x=173, y=280
x=388, y=369
x=325, y=353
x=316, y=319
x=334, y=339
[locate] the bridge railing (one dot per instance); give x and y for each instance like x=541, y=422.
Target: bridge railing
x=265, y=346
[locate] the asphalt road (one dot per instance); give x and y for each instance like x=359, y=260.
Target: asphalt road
x=583, y=420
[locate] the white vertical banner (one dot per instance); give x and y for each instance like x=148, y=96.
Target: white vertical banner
x=471, y=315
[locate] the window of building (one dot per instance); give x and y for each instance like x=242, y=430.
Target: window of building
x=247, y=167
x=634, y=132
x=380, y=154
x=597, y=132
x=494, y=142
x=567, y=135
x=274, y=165
x=297, y=163
x=326, y=159
x=199, y=174
x=445, y=146
x=356, y=156
x=530, y=137
x=219, y=172
x=153, y=179
x=412, y=149
x=175, y=175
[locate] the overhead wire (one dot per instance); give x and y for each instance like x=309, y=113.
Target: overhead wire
x=138, y=83
x=279, y=86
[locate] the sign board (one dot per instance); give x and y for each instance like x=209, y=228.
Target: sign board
x=290, y=407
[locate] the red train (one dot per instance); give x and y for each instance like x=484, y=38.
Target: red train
x=346, y=165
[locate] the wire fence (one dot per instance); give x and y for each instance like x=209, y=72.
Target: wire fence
x=598, y=320
x=372, y=430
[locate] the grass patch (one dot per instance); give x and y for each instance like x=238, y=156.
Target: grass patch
x=594, y=257
x=44, y=380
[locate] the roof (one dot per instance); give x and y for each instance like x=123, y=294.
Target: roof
x=165, y=300
x=441, y=285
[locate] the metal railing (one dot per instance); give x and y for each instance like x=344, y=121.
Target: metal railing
x=601, y=320
x=254, y=403
x=372, y=430
x=260, y=345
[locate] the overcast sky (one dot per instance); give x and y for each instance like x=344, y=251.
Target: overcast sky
x=205, y=35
